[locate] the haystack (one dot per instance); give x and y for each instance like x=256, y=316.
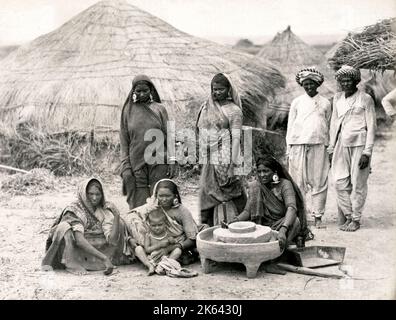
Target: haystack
x=290, y=54
x=374, y=48
x=247, y=46
x=78, y=76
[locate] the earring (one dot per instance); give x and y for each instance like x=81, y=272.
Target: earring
x=175, y=202
x=275, y=178
x=151, y=97
x=134, y=97
x=229, y=95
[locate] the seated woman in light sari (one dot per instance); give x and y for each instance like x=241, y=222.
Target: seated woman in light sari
x=220, y=122
x=275, y=201
x=179, y=223
x=89, y=235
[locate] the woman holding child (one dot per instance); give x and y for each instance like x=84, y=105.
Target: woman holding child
x=164, y=227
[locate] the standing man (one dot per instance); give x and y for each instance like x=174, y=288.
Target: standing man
x=307, y=140
x=352, y=134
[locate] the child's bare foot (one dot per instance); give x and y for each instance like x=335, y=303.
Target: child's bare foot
x=353, y=226
x=319, y=223
x=151, y=270
x=345, y=225
x=109, y=267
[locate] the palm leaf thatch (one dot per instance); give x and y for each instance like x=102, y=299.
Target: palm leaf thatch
x=374, y=48
x=290, y=54
x=78, y=76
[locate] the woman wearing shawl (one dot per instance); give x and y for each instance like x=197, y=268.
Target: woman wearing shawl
x=275, y=201
x=219, y=122
x=141, y=113
x=179, y=222
x=307, y=141
x=89, y=234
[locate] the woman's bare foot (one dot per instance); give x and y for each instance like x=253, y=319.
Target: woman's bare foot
x=77, y=270
x=353, y=226
x=345, y=225
x=109, y=267
x=319, y=223
x=272, y=267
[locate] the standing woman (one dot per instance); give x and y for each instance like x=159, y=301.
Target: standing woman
x=220, y=119
x=142, y=112
x=307, y=140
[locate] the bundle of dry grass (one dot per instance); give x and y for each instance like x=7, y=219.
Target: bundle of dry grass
x=78, y=76
x=374, y=48
x=34, y=182
x=290, y=54
x=31, y=148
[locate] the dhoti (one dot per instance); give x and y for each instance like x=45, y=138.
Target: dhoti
x=350, y=180
x=309, y=167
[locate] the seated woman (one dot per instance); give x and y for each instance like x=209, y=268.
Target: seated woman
x=89, y=235
x=179, y=222
x=275, y=201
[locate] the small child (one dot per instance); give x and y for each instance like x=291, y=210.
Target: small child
x=157, y=238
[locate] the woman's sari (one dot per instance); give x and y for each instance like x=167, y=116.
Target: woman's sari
x=179, y=221
x=96, y=225
x=268, y=207
x=215, y=125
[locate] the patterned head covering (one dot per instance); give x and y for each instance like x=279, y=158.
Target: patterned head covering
x=349, y=72
x=309, y=73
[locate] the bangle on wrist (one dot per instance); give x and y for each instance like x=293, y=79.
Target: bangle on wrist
x=287, y=228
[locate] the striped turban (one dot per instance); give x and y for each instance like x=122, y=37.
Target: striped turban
x=348, y=72
x=309, y=73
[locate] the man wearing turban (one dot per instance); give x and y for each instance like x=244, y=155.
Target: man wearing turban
x=307, y=139
x=352, y=132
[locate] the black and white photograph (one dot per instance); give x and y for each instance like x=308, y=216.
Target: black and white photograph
x=197, y=150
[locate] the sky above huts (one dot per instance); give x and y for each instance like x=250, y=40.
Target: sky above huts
x=316, y=21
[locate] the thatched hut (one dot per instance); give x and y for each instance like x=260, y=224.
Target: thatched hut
x=374, y=48
x=78, y=76
x=290, y=54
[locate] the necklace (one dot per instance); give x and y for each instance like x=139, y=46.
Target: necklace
x=160, y=238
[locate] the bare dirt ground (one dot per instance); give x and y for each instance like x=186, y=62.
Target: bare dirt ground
x=370, y=254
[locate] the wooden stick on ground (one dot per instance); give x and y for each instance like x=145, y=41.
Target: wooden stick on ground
x=308, y=271
x=12, y=168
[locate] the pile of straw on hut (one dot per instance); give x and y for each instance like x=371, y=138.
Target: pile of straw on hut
x=374, y=48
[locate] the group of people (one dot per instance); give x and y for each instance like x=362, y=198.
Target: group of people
x=339, y=135
x=160, y=231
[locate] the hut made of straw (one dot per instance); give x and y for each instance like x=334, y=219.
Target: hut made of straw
x=374, y=48
x=290, y=54
x=78, y=76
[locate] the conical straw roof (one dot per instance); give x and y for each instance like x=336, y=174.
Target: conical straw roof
x=78, y=76
x=290, y=54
